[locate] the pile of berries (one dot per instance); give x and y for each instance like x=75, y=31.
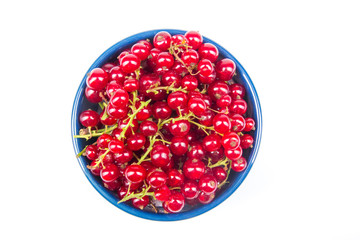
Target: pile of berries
x=171, y=123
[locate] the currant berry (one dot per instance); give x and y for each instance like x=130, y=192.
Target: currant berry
x=175, y=178
x=205, y=67
x=175, y=203
x=206, y=198
x=249, y=124
x=197, y=106
x=194, y=39
x=177, y=99
x=148, y=128
x=194, y=169
x=230, y=140
x=247, y=141
x=238, y=106
x=161, y=110
x=208, y=51
x=207, y=184
x=220, y=174
x=190, y=58
x=237, y=91
x=225, y=69
x=162, y=40
x=109, y=173
x=171, y=78
x=129, y=63
x=92, y=95
x=196, y=151
x=131, y=85
x=89, y=118
x=211, y=142
x=97, y=79
x=120, y=98
x=160, y=156
x=116, y=146
x=222, y=123
x=162, y=194
x=233, y=154
x=117, y=75
x=179, y=128
x=103, y=140
x=116, y=112
x=92, y=152
x=140, y=203
x=135, y=173
x=123, y=157
x=239, y=165
x=190, y=189
x=156, y=178
x=136, y=141
x=140, y=50
x=189, y=83
x=237, y=122
x=179, y=145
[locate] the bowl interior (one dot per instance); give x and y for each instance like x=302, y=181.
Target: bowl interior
x=235, y=179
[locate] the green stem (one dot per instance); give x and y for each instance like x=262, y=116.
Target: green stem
x=167, y=88
x=100, y=159
x=131, y=118
x=143, y=193
x=224, y=162
x=82, y=151
x=96, y=133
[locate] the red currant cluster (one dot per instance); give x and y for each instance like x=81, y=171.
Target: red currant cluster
x=172, y=122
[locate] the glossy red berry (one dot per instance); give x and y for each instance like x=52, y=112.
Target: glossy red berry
x=140, y=203
x=129, y=63
x=238, y=106
x=165, y=59
x=224, y=101
x=163, y=193
x=197, y=106
x=208, y=184
x=135, y=173
x=89, y=118
x=114, y=185
x=136, y=141
x=92, y=152
x=116, y=146
x=103, y=140
x=190, y=58
x=140, y=50
x=148, y=128
x=123, y=157
x=175, y=203
x=179, y=128
x=175, y=178
x=109, y=173
x=239, y=165
x=95, y=168
x=208, y=51
x=206, y=198
x=171, y=78
x=225, y=69
x=206, y=118
x=108, y=66
x=233, y=154
x=120, y=98
x=237, y=91
x=194, y=39
x=160, y=156
x=249, y=124
x=116, y=112
x=220, y=174
x=112, y=87
x=156, y=178
x=179, y=145
x=217, y=90
x=230, y=140
x=211, y=142
x=189, y=83
x=97, y=79
x=194, y=169
x=247, y=141
x=161, y=110
x=196, y=151
x=131, y=85
x=132, y=129
x=92, y=95
x=222, y=123
x=116, y=74
x=237, y=122
x=177, y=99
x=190, y=189
x=162, y=40
x=205, y=67
x=207, y=79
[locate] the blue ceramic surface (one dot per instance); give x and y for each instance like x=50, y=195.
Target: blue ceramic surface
x=254, y=111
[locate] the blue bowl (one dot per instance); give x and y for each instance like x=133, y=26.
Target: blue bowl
x=235, y=179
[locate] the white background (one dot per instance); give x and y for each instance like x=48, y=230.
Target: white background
x=303, y=57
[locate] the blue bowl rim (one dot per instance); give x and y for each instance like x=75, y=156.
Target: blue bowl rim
x=204, y=208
